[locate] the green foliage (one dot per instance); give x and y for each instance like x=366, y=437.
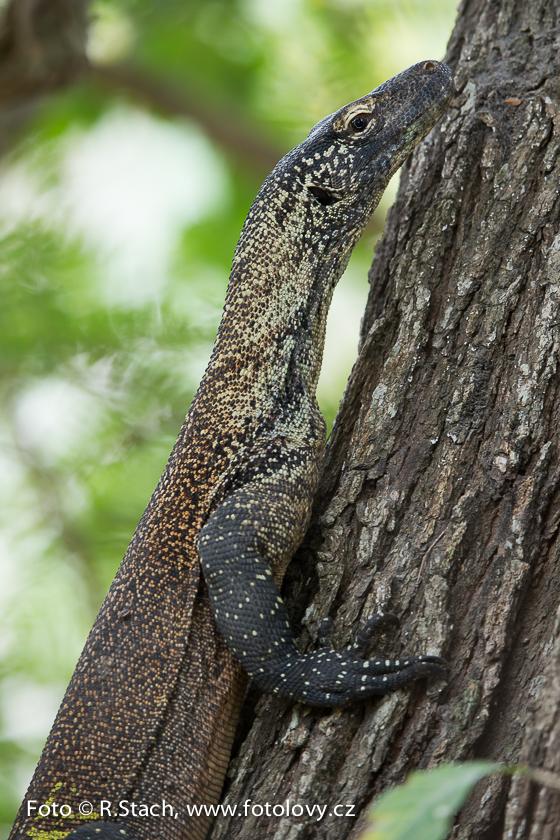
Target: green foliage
x=117, y=229
x=424, y=806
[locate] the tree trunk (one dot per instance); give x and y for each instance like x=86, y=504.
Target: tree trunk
x=440, y=498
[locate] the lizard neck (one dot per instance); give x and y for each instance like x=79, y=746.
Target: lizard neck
x=268, y=353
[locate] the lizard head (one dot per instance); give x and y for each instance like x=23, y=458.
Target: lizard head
x=315, y=203
x=348, y=158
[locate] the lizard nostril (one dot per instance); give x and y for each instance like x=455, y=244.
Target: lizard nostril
x=429, y=66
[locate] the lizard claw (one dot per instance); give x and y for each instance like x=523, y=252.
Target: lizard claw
x=374, y=624
x=438, y=666
x=324, y=631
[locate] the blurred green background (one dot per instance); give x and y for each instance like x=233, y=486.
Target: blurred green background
x=120, y=206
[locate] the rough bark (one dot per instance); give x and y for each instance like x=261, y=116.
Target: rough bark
x=440, y=498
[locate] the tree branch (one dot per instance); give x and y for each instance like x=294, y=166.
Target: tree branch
x=223, y=125
x=43, y=48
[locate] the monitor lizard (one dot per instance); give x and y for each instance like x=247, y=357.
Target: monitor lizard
x=151, y=710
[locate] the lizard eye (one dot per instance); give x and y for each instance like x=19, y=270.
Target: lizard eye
x=359, y=122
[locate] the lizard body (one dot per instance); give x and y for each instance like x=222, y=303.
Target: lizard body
x=151, y=709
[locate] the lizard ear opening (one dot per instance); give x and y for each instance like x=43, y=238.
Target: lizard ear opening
x=323, y=196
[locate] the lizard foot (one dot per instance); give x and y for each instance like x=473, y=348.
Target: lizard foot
x=331, y=678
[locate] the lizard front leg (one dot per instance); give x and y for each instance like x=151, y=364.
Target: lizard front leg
x=242, y=546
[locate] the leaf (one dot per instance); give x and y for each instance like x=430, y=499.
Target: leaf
x=424, y=806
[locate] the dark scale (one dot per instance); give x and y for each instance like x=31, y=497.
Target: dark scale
x=101, y=831
x=151, y=710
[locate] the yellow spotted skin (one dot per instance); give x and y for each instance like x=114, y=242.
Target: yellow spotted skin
x=152, y=707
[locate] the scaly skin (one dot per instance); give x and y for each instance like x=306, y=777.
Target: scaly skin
x=151, y=709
